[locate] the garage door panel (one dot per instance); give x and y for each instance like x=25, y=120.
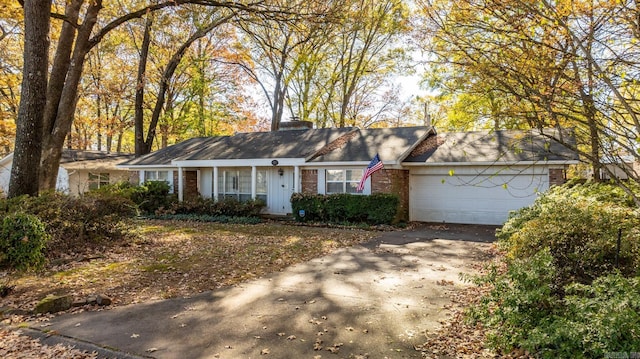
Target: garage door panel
x=472, y=199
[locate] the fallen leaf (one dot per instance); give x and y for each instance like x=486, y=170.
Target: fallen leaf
x=291, y=337
x=134, y=335
x=265, y=351
x=151, y=350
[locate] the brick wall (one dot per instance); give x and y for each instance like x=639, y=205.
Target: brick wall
x=190, y=183
x=557, y=176
x=395, y=182
x=309, y=179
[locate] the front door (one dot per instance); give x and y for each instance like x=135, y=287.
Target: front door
x=280, y=190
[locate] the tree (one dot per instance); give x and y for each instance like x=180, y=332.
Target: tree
x=76, y=38
x=26, y=157
x=144, y=143
x=558, y=64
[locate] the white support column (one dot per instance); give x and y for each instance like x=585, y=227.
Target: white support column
x=141, y=177
x=296, y=179
x=254, y=178
x=180, y=185
x=215, y=184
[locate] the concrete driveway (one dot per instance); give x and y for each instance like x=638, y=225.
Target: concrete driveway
x=370, y=301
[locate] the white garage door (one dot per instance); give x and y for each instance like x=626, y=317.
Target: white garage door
x=472, y=198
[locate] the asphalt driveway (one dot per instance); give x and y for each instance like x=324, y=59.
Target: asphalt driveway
x=370, y=301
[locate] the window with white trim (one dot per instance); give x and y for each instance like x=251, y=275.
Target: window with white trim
x=236, y=183
x=97, y=180
x=343, y=181
x=156, y=176
x=159, y=175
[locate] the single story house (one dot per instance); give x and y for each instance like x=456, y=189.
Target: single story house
x=79, y=171
x=470, y=177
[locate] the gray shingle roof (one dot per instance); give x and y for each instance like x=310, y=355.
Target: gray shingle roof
x=276, y=144
x=91, y=160
x=492, y=146
x=349, y=144
x=389, y=143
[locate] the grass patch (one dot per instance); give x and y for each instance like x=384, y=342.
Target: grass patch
x=178, y=258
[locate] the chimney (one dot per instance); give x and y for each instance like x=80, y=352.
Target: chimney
x=295, y=125
x=427, y=116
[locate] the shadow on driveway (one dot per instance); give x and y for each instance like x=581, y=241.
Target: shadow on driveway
x=374, y=300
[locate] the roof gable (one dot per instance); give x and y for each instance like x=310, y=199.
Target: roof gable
x=391, y=144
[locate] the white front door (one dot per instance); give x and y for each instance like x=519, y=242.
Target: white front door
x=280, y=190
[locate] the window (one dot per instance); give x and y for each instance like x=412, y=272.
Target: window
x=343, y=181
x=237, y=184
x=97, y=180
x=154, y=175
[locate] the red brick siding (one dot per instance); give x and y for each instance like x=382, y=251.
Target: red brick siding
x=309, y=179
x=395, y=182
x=557, y=176
x=190, y=183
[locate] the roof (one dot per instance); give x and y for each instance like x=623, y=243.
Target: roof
x=493, y=146
x=418, y=144
x=314, y=145
x=86, y=159
x=389, y=143
x=93, y=160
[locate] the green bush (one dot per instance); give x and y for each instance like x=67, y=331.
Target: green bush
x=207, y=218
x=22, y=241
x=581, y=231
x=521, y=311
x=151, y=196
x=561, y=294
x=346, y=208
x=229, y=207
x=74, y=222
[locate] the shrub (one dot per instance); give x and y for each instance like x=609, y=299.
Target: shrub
x=151, y=196
x=74, y=222
x=207, y=218
x=580, y=231
x=22, y=241
x=561, y=293
x=346, y=208
x=229, y=207
x=521, y=311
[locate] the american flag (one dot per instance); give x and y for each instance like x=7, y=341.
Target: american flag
x=374, y=165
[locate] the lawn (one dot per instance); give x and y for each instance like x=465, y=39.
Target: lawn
x=167, y=259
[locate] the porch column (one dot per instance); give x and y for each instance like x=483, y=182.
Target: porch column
x=296, y=179
x=180, y=185
x=215, y=183
x=141, y=177
x=254, y=178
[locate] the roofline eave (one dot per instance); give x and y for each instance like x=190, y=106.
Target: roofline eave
x=492, y=163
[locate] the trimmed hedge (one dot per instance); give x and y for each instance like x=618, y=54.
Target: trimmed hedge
x=379, y=208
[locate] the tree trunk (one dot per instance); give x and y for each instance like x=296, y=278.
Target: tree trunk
x=141, y=147
x=30, y=121
x=55, y=135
